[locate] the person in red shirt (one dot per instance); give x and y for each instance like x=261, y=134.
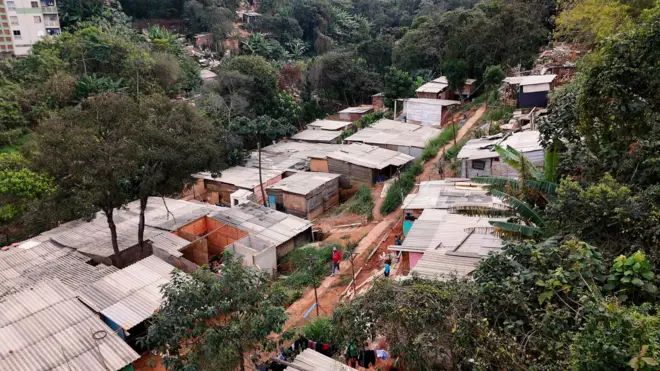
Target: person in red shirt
x=336, y=259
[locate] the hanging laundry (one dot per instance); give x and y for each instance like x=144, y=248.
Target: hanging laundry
x=380, y=353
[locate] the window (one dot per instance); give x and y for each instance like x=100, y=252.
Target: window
x=37, y=19
x=478, y=164
x=35, y=4
x=2, y=39
x=17, y=35
x=6, y=32
x=14, y=20
x=5, y=24
x=11, y=5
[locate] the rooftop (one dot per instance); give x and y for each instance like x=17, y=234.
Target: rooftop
x=207, y=74
x=242, y=177
x=47, y=328
x=356, y=110
x=312, y=360
x=482, y=148
x=391, y=132
x=131, y=295
x=290, y=155
x=370, y=156
x=317, y=136
x=443, y=194
x=530, y=80
x=435, y=102
x=20, y=268
x=328, y=125
x=432, y=87
x=304, y=183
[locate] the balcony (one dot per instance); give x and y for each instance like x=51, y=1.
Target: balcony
x=52, y=23
x=49, y=9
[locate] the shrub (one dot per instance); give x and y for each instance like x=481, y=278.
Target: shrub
x=401, y=187
x=453, y=151
x=362, y=203
x=319, y=329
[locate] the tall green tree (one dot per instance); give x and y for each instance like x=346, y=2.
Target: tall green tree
x=398, y=85
x=212, y=321
x=261, y=130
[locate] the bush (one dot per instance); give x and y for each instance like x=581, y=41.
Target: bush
x=12, y=137
x=434, y=146
x=366, y=120
x=401, y=187
x=453, y=151
x=498, y=114
x=319, y=329
x=362, y=203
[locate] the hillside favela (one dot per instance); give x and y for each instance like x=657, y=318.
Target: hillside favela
x=329, y=185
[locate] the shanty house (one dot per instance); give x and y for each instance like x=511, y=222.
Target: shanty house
x=361, y=164
x=318, y=136
x=440, y=245
x=126, y=299
x=330, y=125
x=478, y=157
x=290, y=156
x=353, y=114
x=532, y=90
x=436, y=89
x=445, y=194
x=45, y=327
x=238, y=177
x=306, y=195
x=423, y=111
x=409, y=139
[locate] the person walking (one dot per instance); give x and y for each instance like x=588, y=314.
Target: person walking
x=336, y=259
x=386, y=271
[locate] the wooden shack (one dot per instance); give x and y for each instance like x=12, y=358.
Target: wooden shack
x=306, y=194
x=361, y=164
x=353, y=114
x=235, y=178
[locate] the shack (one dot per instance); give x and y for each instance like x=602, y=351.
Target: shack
x=445, y=194
x=318, y=136
x=423, y=111
x=409, y=139
x=330, y=125
x=290, y=156
x=235, y=178
x=306, y=195
x=532, y=91
x=353, y=114
x=478, y=157
x=361, y=164
x=441, y=245
x=439, y=89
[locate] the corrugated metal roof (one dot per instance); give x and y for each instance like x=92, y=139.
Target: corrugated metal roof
x=244, y=177
x=312, y=360
x=305, y=182
x=328, y=125
x=389, y=132
x=370, y=156
x=432, y=87
x=20, y=268
x=530, y=80
x=443, y=194
x=46, y=328
x=435, y=102
x=357, y=110
x=131, y=295
x=317, y=136
x=290, y=155
x=482, y=148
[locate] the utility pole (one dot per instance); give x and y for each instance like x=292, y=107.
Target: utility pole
x=316, y=296
x=353, y=256
x=453, y=126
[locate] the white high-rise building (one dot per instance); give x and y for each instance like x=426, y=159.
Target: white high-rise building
x=24, y=22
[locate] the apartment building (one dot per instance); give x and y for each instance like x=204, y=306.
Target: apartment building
x=24, y=22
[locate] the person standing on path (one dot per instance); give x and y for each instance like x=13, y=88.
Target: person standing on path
x=336, y=259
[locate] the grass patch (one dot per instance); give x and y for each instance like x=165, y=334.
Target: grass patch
x=362, y=203
x=12, y=140
x=476, y=102
x=500, y=113
x=368, y=119
x=454, y=150
x=401, y=187
x=434, y=146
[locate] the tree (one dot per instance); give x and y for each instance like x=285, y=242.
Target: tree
x=456, y=73
x=398, y=84
x=171, y=142
x=591, y=21
x=74, y=11
x=94, y=155
x=261, y=130
x=262, y=87
x=213, y=321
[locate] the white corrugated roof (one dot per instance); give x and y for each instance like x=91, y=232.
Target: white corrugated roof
x=304, y=182
x=312, y=360
x=432, y=87
x=443, y=194
x=525, y=141
x=329, y=125
x=326, y=136
x=356, y=110
x=244, y=177
x=530, y=80
x=436, y=102
x=371, y=157
x=46, y=328
x=389, y=132
x=131, y=295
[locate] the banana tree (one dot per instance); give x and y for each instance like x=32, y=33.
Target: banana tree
x=523, y=198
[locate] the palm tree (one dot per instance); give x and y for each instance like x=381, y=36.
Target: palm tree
x=523, y=199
